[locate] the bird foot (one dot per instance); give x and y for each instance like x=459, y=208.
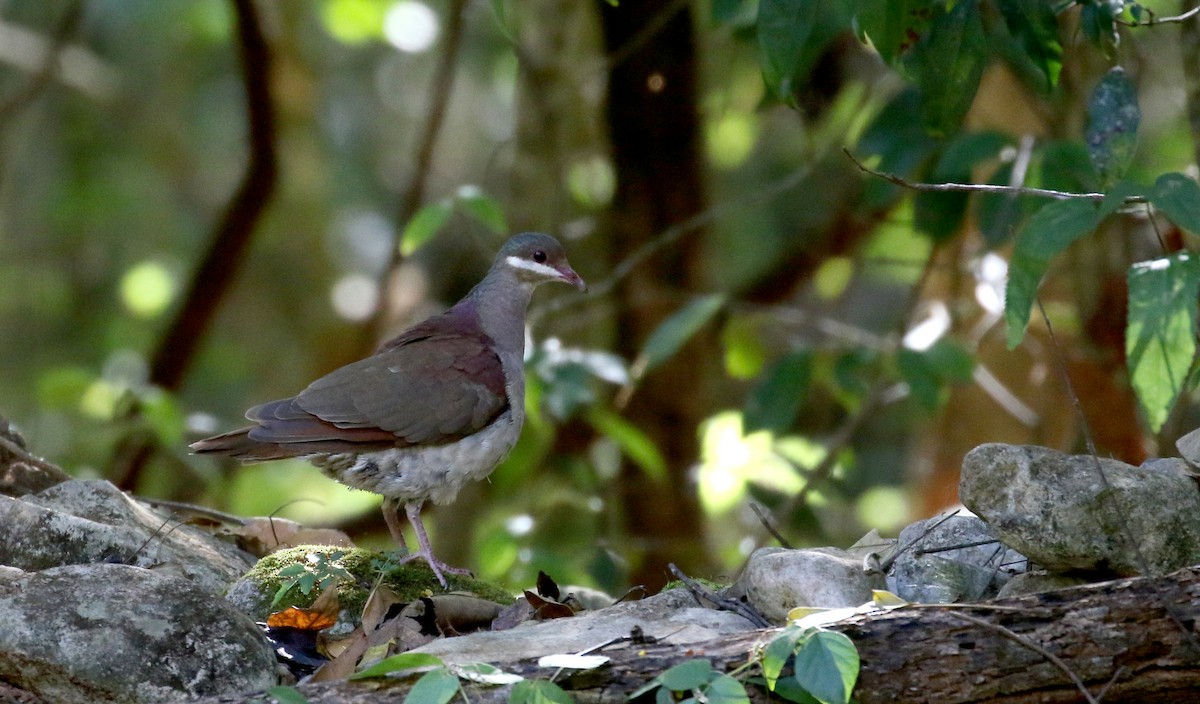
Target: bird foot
x=440, y=569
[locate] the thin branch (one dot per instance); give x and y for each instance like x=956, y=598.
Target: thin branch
x=703, y=593
x=1180, y=18
x=1050, y=657
x=441, y=89
x=233, y=233
x=983, y=187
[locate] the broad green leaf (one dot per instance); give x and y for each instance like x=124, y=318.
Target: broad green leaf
x=676, y=330
x=424, y=225
x=966, y=151
x=1051, y=229
x=827, y=667
x=784, y=29
x=287, y=695
x=1066, y=166
x=1033, y=24
x=901, y=143
x=929, y=371
x=435, y=687
x=1113, y=118
x=538, y=692
x=1097, y=19
x=777, y=652
x=947, y=65
x=1179, y=197
x=633, y=442
x=484, y=209
x=1160, y=339
x=893, y=26
x=396, y=663
x=788, y=690
x=726, y=690
x=776, y=399
x=688, y=674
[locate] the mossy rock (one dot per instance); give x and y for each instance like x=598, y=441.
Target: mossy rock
x=364, y=567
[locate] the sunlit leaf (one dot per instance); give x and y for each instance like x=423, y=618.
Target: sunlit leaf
x=1179, y=197
x=484, y=209
x=1160, y=339
x=424, y=225
x=1051, y=229
x=1113, y=118
x=398, y=663
x=777, y=652
x=827, y=667
x=435, y=687
x=674, y=332
x=633, y=442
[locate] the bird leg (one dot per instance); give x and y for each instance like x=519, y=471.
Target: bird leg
x=392, y=517
x=413, y=511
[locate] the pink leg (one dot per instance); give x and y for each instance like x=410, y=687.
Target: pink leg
x=392, y=517
x=413, y=511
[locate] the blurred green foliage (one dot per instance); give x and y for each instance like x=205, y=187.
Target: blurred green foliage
x=840, y=359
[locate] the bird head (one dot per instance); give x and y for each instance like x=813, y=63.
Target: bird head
x=536, y=258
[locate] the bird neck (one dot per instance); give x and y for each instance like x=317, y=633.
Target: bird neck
x=500, y=300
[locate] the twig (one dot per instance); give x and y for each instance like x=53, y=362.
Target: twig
x=769, y=525
x=961, y=546
x=1051, y=657
x=983, y=187
x=1181, y=18
x=704, y=593
x=441, y=89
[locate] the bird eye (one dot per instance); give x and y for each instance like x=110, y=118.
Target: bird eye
x=539, y=256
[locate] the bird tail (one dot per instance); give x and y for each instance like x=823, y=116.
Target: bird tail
x=239, y=444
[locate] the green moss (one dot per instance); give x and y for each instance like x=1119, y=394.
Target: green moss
x=409, y=580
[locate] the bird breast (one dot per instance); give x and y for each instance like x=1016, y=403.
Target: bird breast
x=420, y=473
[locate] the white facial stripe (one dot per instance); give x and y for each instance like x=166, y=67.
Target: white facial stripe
x=547, y=271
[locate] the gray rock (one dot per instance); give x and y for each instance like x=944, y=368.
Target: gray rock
x=948, y=576
x=1057, y=510
x=87, y=521
x=1039, y=581
x=673, y=614
x=91, y=634
x=777, y=580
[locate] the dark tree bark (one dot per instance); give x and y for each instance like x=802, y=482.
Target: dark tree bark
x=654, y=130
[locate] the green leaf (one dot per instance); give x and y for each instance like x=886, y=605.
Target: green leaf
x=827, y=667
x=1179, y=197
x=1033, y=24
x=689, y=674
x=893, y=26
x=538, y=692
x=928, y=371
x=776, y=399
x=676, y=330
x=396, y=663
x=1097, y=19
x=287, y=695
x=423, y=226
x=777, y=652
x=484, y=209
x=1051, y=229
x=435, y=687
x=784, y=30
x=1113, y=118
x=633, y=442
x=1160, y=339
x=948, y=64
x=726, y=690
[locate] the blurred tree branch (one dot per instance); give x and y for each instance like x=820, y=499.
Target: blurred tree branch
x=230, y=239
